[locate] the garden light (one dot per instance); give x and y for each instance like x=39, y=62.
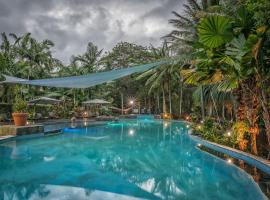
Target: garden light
x=229, y=133
x=131, y=132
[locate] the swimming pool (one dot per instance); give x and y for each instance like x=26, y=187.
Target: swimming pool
x=134, y=159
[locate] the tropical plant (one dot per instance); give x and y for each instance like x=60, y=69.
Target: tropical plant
x=231, y=62
x=162, y=76
x=19, y=105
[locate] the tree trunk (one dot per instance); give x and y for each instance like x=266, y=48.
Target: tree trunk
x=149, y=105
x=254, y=128
x=266, y=115
x=180, y=100
x=202, y=103
x=240, y=114
x=74, y=97
x=210, y=110
x=158, y=106
x=215, y=106
x=240, y=107
x=170, y=99
x=122, y=103
x=223, y=112
x=251, y=94
x=164, y=100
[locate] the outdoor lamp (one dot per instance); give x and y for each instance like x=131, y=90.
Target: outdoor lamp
x=131, y=132
x=229, y=133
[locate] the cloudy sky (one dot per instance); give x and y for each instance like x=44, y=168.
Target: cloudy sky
x=71, y=24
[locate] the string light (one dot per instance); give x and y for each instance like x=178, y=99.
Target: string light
x=229, y=160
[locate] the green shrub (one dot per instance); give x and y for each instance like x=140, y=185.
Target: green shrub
x=214, y=132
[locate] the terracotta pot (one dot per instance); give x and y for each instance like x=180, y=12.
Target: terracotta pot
x=20, y=119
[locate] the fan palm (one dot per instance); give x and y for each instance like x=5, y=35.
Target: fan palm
x=231, y=62
x=185, y=33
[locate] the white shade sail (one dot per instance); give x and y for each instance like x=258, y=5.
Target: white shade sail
x=96, y=101
x=44, y=100
x=84, y=81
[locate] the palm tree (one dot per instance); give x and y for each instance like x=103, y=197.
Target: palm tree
x=89, y=61
x=162, y=76
x=182, y=39
x=35, y=56
x=185, y=32
x=231, y=63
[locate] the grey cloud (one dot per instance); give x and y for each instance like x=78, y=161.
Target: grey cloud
x=71, y=24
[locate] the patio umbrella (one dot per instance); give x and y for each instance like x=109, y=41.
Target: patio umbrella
x=96, y=101
x=44, y=100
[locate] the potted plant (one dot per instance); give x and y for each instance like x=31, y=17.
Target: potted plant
x=19, y=114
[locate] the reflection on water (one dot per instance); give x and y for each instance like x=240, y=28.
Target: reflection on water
x=258, y=176
x=138, y=159
x=36, y=192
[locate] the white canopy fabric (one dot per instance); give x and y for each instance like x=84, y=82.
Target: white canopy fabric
x=44, y=100
x=84, y=81
x=96, y=101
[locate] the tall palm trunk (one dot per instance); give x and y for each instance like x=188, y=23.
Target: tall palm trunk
x=122, y=103
x=74, y=97
x=266, y=115
x=223, y=112
x=158, y=106
x=180, y=99
x=215, y=106
x=202, y=103
x=164, y=100
x=170, y=97
x=240, y=115
x=240, y=107
x=251, y=93
x=254, y=129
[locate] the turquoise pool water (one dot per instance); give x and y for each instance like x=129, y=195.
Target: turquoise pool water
x=141, y=159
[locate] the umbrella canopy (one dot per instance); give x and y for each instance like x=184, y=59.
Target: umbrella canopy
x=44, y=100
x=96, y=101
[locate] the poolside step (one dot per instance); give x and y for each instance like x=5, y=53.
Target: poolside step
x=6, y=137
x=21, y=130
